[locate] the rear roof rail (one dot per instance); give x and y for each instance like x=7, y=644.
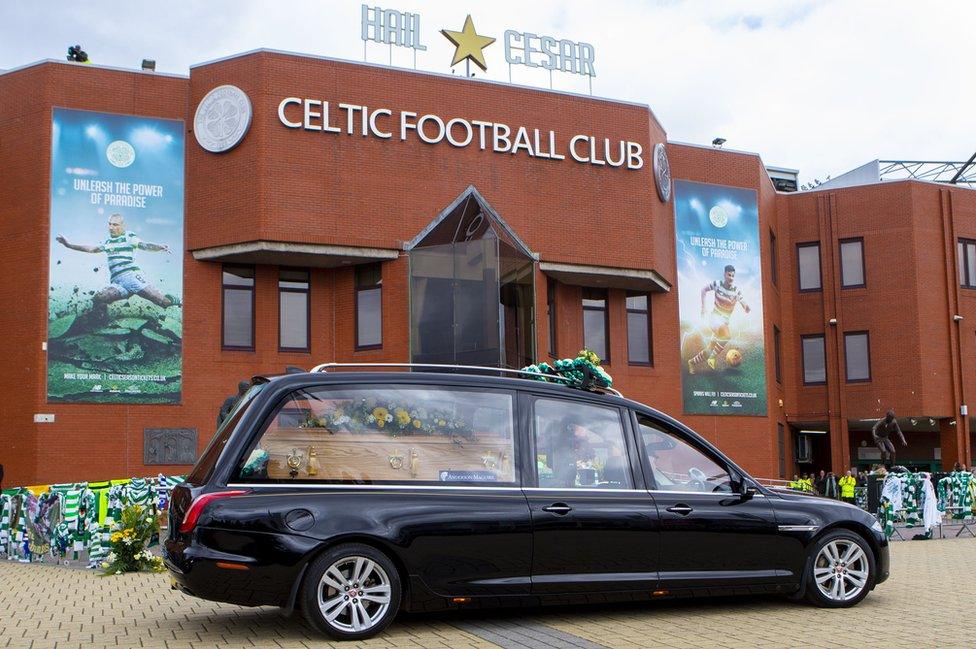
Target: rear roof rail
x=469, y=369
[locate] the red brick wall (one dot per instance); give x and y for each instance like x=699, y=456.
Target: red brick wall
x=293, y=185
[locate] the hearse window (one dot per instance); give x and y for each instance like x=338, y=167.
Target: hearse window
x=204, y=466
x=388, y=435
x=579, y=446
x=677, y=465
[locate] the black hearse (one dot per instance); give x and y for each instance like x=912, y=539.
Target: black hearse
x=353, y=495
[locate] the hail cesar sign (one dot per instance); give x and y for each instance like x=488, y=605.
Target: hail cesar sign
x=389, y=124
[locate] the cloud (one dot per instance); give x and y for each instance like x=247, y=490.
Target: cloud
x=822, y=85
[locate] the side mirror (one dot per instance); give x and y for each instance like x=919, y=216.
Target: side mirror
x=743, y=487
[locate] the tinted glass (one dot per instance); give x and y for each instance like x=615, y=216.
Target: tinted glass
x=580, y=446
x=238, y=318
x=809, y=262
x=238, y=275
x=858, y=359
x=814, y=363
x=388, y=435
x=971, y=264
x=369, y=276
x=677, y=465
x=204, y=466
x=638, y=338
x=852, y=263
x=595, y=332
x=369, y=317
x=293, y=321
x=961, y=261
x=637, y=303
x=289, y=278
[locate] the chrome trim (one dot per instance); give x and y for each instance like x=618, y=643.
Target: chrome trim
x=366, y=487
x=721, y=494
x=573, y=490
x=798, y=528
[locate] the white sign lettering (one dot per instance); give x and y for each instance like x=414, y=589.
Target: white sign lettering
x=392, y=27
x=559, y=55
x=353, y=119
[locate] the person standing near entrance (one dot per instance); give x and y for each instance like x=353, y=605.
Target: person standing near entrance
x=882, y=432
x=847, y=484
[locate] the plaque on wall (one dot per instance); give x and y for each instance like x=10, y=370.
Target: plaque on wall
x=169, y=446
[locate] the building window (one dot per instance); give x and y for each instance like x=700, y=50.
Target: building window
x=238, y=307
x=814, y=360
x=773, y=259
x=857, y=352
x=596, y=326
x=551, y=311
x=639, y=346
x=966, y=252
x=781, y=437
x=852, y=263
x=369, y=306
x=776, y=355
x=293, y=312
x=808, y=259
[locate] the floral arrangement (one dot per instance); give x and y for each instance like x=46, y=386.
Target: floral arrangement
x=586, y=363
x=369, y=414
x=130, y=538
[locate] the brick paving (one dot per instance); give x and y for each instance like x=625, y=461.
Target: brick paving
x=927, y=602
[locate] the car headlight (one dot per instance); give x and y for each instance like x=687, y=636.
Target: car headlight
x=876, y=526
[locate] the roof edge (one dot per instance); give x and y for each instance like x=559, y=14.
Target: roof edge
x=112, y=68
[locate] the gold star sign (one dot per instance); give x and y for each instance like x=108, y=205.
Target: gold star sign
x=469, y=44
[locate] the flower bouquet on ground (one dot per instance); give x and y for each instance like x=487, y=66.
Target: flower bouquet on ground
x=130, y=540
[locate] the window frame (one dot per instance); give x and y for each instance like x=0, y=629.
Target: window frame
x=803, y=358
x=606, y=317
x=712, y=454
x=799, y=268
x=867, y=340
x=527, y=439
x=650, y=328
x=777, y=354
x=308, y=309
x=552, y=316
x=864, y=270
x=962, y=264
x=356, y=290
x=223, y=306
x=282, y=400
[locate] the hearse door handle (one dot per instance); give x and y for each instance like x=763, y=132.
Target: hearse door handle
x=680, y=508
x=560, y=509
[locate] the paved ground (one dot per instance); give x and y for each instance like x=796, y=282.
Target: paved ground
x=930, y=600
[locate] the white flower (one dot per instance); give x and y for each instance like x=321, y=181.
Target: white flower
x=389, y=417
x=111, y=557
x=370, y=418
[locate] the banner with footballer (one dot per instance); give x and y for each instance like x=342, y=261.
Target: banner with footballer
x=115, y=316
x=720, y=307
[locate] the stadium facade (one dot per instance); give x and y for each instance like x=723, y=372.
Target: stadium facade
x=276, y=210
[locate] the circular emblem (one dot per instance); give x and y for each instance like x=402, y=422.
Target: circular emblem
x=662, y=172
x=222, y=119
x=120, y=154
x=718, y=216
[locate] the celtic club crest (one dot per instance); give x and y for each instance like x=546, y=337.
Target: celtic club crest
x=662, y=172
x=222, y=119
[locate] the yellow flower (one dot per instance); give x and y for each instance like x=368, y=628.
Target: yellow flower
x=416, y=423
x=441, y=422
x=380, y=414
x=402, y=416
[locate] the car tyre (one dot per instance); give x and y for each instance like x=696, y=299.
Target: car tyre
x=351, y=592
x=840, y=570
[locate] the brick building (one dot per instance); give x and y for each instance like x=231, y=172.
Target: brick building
x=304, y=245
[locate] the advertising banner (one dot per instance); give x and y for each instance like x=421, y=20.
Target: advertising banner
x=720, y=308
x=115, y=317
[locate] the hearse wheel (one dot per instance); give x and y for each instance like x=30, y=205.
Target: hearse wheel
x=842, y=570
x=351, y=592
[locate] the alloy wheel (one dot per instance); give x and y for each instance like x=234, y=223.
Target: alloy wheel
x=841, y=570
x=354, y=594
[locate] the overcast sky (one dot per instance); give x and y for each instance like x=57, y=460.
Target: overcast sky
x=818, y=85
